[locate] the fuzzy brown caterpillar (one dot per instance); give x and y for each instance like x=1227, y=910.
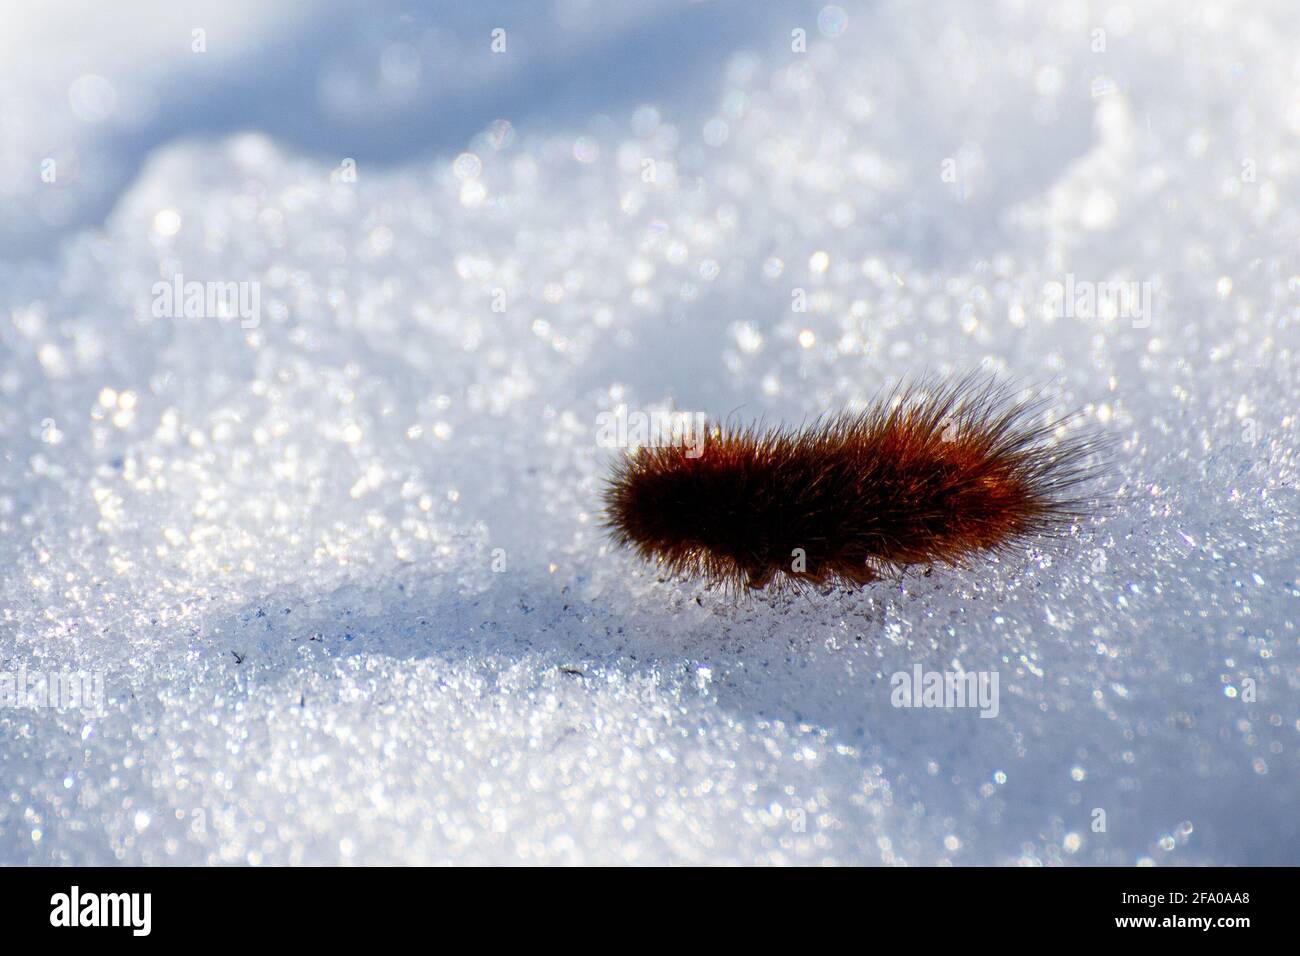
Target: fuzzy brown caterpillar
x=934, y=474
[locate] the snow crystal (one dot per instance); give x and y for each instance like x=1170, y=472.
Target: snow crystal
x=323, y=537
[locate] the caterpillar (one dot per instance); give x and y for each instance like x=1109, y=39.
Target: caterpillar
x=931, y=474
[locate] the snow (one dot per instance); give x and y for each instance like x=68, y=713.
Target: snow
x=338, y=564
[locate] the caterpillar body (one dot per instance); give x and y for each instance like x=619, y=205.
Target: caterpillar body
x=931, y=474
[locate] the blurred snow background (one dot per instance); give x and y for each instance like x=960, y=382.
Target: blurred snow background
x=341, y=572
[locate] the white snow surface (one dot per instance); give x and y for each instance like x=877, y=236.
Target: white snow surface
x=342, y=574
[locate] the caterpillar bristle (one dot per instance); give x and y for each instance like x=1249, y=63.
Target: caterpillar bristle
x=934, y=474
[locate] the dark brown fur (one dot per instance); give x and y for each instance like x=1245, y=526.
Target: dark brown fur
x=929, y=475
